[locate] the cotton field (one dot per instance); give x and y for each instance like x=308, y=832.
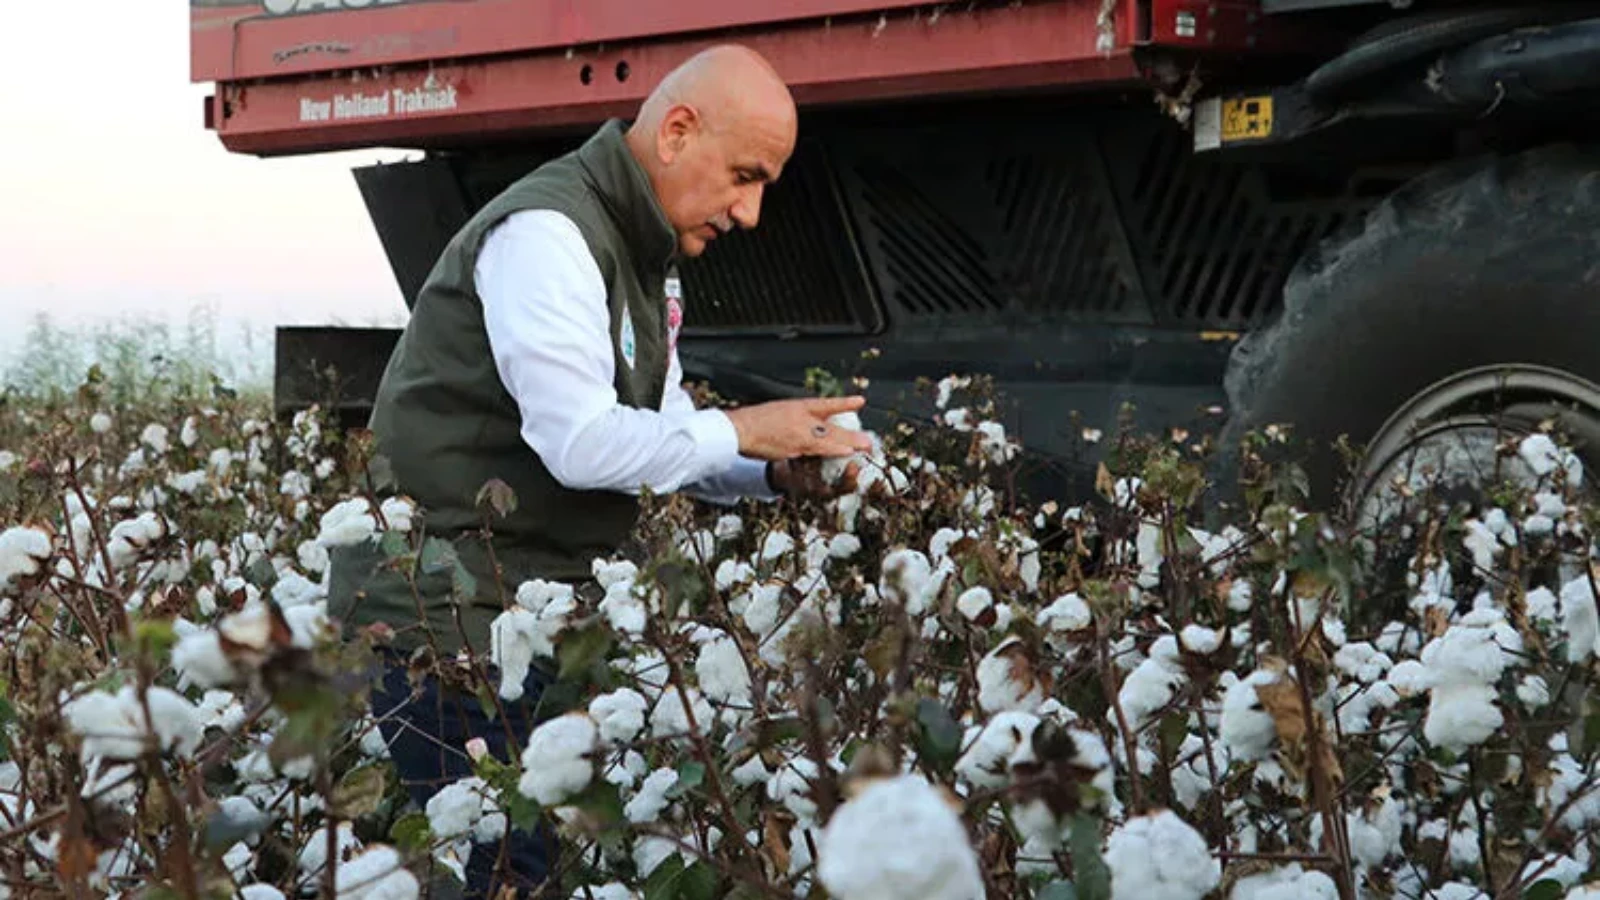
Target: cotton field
x=925, y=688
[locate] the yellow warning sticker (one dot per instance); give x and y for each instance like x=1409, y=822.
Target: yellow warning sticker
x=1246, y=118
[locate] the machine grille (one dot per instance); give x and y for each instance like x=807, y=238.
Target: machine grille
x=1214, y=243
x=797, y=271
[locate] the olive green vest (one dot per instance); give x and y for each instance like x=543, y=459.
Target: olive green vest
x=446, y=424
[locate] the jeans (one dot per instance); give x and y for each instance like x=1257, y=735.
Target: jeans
x=427, y=737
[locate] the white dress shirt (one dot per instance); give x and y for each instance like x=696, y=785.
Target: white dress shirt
x=546, y=313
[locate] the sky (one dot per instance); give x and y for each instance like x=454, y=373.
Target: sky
x=117, y=200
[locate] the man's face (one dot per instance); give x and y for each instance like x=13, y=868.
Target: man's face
x=715, y=172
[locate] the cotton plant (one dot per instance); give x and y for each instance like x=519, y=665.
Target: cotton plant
x=927, y=686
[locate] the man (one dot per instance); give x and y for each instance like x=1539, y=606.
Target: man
x=542, y=351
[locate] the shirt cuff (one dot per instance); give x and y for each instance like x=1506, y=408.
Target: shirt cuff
x=716, y=441
x=748, y=478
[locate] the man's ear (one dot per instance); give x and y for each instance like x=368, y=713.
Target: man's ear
x=680, y=124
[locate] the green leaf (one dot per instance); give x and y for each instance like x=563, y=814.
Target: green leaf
x=1094, y=879
x=664, y=882
x=361, y=790
x=699, y=882
x=1057, y=890
x=155, y=638
x=224, y=829
x=1544, y=889
x=8, y=715
x=690, y=776
x=393, y=544
x=581, y=649
x=438, y=556
x=603, y=801
x=1174, y=728
x=261, y=573
x=411, y=833
x=939, y=737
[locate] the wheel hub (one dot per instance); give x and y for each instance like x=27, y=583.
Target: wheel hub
x=1452, y=439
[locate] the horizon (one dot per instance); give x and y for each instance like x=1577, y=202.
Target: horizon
x=133, y=210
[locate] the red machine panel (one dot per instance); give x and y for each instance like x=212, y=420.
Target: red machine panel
x=247, y=39
x=898, y=55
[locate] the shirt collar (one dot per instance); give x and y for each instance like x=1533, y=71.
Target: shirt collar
x=630, y=199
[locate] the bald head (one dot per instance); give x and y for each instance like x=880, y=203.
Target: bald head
x=711, y=136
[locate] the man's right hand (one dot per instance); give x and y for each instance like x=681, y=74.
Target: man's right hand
x=784, y=429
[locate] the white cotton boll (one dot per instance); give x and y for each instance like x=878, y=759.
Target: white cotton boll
x=314, y=852
x=187, y=482
x=100, y=423
x=843, y=546
x=899, y=837
x=1363, y=662
x=611, y=891
x=1533, y=691
x=670, y=717
x=376, y=874
x=776, y=544
x=1006, y=681
x=608, y=572
x=1542, y=605
x=939, y=545
x=397, y=513
x=1464, y=850
x=1160, y=857
x=259, y=891
x=308, y=624
x=293, y=589
x=1579, y=619
x=948, y=385
x=1461, y=715
x=619, y=714
x=1240, y=595
x=456, y=808
x=22, y=552
x=1410, y=677
x=199, y=660
x=1068, y=613
x=1482, y=543
x=650, y=851
x=349, y=522
x=791, y=786
x=987, y=760
x=1469, y=651
x=556, y=764
x=313, y=557
x=993, y=443
x=753, y=771
x=1199, y=639
x=722, y=673
x=624, y=611
x=155, y=437
x=728, y=527
x=974, y=602
x=1148, y=688
x=761, y=613
x=1286, y=883
x=295, y=484
x=1540, y=453
x=647, y=804
x=514, y=640
x=904, y=579
x=1567, y=777
x=1247, y=730
x=1564, y=870
x=733, y=572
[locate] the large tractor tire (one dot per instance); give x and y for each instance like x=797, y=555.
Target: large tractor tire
x=1466, y=304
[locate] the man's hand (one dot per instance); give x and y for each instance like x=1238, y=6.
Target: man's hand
x=802, y=479
x=785, y=429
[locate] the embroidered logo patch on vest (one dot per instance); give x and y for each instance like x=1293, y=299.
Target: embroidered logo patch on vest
x=674, y=312
x=630, y=347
